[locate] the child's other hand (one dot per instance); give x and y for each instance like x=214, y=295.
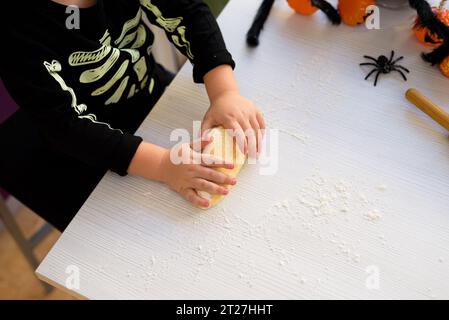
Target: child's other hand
x=233, y=111
x=195, y=173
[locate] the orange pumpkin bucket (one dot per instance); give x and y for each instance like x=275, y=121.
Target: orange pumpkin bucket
x=302, y=6
x=424, y=35
x=353, y=12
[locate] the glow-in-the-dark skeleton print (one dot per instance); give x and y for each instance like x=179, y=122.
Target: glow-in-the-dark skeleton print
x=106, y=58
x=107, y=70
x=171, y=25
x=53, y=68
x=78, y=83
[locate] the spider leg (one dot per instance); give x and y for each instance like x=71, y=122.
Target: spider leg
x=396, y=60
x=402, y=68
x=368, y=64
x=370, y=73
x=371, y=58
x=402, y=73
x=377, y=76
x=391, y=56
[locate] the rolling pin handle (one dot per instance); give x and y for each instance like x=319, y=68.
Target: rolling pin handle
x=428, y=107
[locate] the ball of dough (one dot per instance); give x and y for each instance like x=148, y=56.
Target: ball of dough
x=225, y=147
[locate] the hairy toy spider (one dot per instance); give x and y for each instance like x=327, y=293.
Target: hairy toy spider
x=384, y=65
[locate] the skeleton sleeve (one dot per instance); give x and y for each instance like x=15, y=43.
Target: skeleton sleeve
x=67, y=125
x=192, y=28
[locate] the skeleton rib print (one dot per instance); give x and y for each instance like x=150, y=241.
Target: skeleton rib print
x=132, y=38
x=53, y=69
x=115, y=61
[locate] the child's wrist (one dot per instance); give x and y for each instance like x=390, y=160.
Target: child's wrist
x=147, y=161
x=161, y=169
x=220, y=80
x=223, y=93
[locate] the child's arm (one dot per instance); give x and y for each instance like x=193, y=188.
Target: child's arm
x=66, y=125
x=193, y=30
x=97, y=144
x=154, y=162
x=227, y=108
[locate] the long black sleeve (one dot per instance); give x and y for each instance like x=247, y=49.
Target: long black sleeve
x=191, y=27
x=42, y=86
x=89, y=88
x=78, y=135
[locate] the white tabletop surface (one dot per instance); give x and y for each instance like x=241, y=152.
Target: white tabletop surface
x=359, y=205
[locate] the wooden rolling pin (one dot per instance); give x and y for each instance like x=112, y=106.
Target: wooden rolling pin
x=428, y=107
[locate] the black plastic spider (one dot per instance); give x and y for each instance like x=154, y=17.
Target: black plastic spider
x=384, y=65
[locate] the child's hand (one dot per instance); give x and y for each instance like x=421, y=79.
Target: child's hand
x=188, y=177
x=233, y=111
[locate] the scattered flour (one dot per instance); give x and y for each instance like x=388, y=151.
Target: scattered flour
x=373, y=215
x=320, y=205
x=316, y=207
x=297, y=136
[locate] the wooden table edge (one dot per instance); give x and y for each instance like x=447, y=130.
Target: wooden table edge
x=60, y=287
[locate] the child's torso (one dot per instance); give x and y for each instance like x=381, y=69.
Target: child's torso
x=106, y=60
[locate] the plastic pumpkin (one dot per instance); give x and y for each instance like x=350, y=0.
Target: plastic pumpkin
x=353, y=12
x=308, y=7
x=302, y=6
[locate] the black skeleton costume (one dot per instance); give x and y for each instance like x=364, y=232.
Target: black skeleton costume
x=83, y=92
x=83, y=86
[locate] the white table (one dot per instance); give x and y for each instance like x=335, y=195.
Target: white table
x=359, y=207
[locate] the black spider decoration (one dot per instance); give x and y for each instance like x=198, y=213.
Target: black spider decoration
x=384, y=65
